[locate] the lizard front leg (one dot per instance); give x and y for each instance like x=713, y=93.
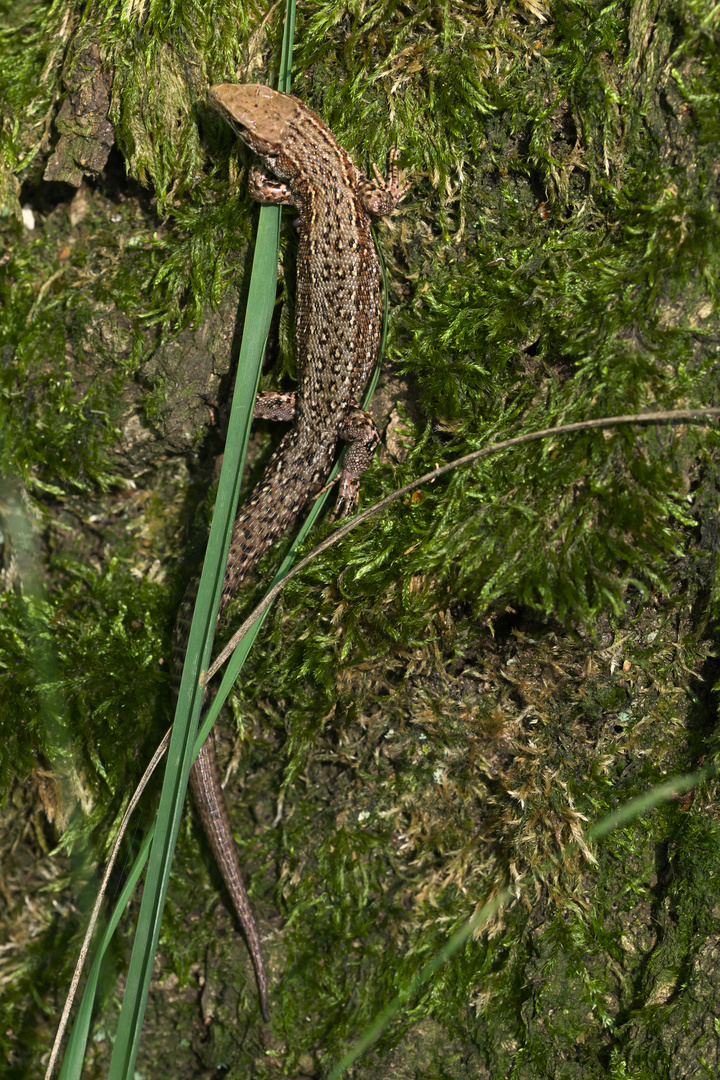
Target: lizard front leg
x=269, y=191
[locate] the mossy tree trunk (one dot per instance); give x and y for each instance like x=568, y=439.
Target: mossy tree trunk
x=442, y=704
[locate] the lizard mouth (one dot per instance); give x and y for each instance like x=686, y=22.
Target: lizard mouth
x=250, y=136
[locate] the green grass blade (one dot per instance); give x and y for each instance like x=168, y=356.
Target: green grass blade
x=285, y=73
x=261, y=297
x=77, y=1043
x=678, y=785
x=260, y=303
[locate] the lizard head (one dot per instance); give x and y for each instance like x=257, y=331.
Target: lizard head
x=258, y=114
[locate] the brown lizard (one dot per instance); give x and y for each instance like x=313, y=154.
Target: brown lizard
x=337, y=330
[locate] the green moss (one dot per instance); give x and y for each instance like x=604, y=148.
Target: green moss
x=441, y=704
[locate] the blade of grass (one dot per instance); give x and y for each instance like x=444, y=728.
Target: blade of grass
x=285, y=72
x=77, y=1043
x=248, y=375
x=260, y=303
x=691, y=416
x=261, y=297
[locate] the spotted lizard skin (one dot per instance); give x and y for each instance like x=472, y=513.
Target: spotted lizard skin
x=337, y=332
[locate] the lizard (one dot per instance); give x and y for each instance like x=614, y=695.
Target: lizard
x=337, y=333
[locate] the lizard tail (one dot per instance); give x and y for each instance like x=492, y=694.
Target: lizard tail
x=207, y=793
x=272, y=508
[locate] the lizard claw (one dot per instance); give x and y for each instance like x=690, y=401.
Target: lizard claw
x=348, y=497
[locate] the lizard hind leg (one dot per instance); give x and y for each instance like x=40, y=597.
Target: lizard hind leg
x=358, y=429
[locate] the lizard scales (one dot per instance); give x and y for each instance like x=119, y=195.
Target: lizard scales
x=337, y=332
